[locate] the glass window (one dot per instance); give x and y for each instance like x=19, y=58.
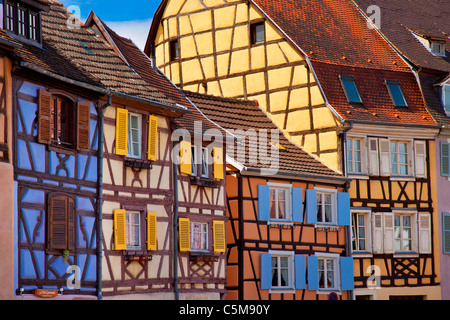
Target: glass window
x=205, y=172
x=22, y=14
x=279, y=203
x=403, y=232
x=33, y=31
x=10, y=16
x=134, y=135
x=257, y=33
x=199, y=236
x=325, y=207
x=194, y=160
x=396, y=93
x=359, y=232
x=281, y=271
x=62, y=122
x=174, y=50
x=399, y=158
x=354, y=158
x=327, y=273
x=133, y=228
x=351, y=91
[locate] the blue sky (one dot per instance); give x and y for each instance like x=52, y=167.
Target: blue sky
x=130, y=19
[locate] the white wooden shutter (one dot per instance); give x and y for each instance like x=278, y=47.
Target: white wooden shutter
x=374, y=164
x=385, y=157
x=377, y=233
x=424, y=233
x=389, y=238
x=420, y=159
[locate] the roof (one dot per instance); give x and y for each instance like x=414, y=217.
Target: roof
x=335, y=37
x=428, y=18
x=235, y=114
x=78, y=54
x=139, y=62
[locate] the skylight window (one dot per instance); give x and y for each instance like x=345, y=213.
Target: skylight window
x=350, y=89
x=85, y=47
x=396, y=93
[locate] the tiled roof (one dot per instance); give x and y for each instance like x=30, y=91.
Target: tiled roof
x=235, y=114
x=142, y=65
x=78, y=54
x=335, y=37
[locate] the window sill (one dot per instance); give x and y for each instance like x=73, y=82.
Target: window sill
x=280, y=224
x=202, y=257
x=282, y=290
x=137, y=257
x=205, y=182
x=406, y=255
x=62, y=150
x=138, y=163
x=402, y=178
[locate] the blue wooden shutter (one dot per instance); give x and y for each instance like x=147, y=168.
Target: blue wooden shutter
x=311, y=206
x=297, y=205
x=445, y=159
x=344, y=209
x=263, y=202
x=266, y=271
x=300, y=274
x=347, y=275
x=446, y=232
x=313, y=272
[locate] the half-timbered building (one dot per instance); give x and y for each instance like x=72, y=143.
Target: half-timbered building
x=337, y=89
x=289, y=214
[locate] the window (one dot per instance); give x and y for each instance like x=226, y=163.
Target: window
x=354, y=156
x=22, y=20
x=326, y=207
x=61, y=222
x=62, y=127
x=403, y=232
x=133, y=230
x=205, y=170
x=134, y=135
x=446, y=232
x=396, y=94
x=327, y=273
x=257, y=33
x=445, y=159
x=446, y=98
x=399, y=158
x=437, y=48
x=281, y=272
x=360, y=232
x=350, y=89
x=279, y=203
x=199, y=236
x=174, y=50
x=194, y=160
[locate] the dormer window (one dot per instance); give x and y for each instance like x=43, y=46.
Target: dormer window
x=437, y=48
x=396, y=93
x=22, y=20
x=350, y=89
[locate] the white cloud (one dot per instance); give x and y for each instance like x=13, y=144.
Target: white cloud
x=136, y=30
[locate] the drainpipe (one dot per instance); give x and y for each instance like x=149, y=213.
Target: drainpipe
x=175, y=221
x=101, y=121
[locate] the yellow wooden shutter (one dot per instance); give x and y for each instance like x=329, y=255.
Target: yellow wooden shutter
x=218, y=163
x=121, y=132
x=184, y=234
x=120, y=234
x=152, y=138
x=185, y=157
x=219, y=236
x=151, y=231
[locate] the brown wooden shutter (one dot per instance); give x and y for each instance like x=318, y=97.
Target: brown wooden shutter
x=71, y=238
x=45, y=117
x=83, y=122
x=58, y=222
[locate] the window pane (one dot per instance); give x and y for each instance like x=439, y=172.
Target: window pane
x=397, y=95
x=351, y=90
x=259, y=33
x=273, y=212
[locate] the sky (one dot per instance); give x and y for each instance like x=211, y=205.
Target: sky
x=130, y=19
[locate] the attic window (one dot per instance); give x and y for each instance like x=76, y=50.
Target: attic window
x=257, y=33
x=437, y=48
x=85, y=47
x=174, y=50
x=396, y=93
x=350, y=89
x=21, y=20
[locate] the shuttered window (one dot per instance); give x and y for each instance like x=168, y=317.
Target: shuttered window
x=61, y=222
x=185, y=157
x=152, y=243
x=184, y=234
x=152, y=138
x=446, y=232
x=120, y=230
x=218, y=166
x=121, y=132
x=220, y=244
x=84, y=117
x=445, y=159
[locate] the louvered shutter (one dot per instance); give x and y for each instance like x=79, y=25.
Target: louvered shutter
x=58, y=228
x=446, y=232
x=297, y=205
x=311, y=206
x=377, y=232
x=120, y=235
x=344, y=218
x=152, y=243
x=83, y=124
x=152, y=138
x=45, y=117
x=71, y=241
x=219, y=236
x=263, y=202
x=266, y=271
x=389, y=237
x=385, y=157
x=184, y=234
x=374, y=165
x=121, y=132
x=185, y=157
x=420, y=159
x=313, y=272
x=218, y=163
x=445, y=159
x=424, y=233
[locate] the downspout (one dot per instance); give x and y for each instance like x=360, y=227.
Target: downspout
x=175, y=221
x=101, y=119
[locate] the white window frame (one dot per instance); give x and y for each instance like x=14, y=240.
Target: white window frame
x=205, y=164
x=368, y=229
x=446, y=89
x=333, y=193
x=413, y=215
x=194, y=160
x=288, y=201
x=130, y=151
x=129, y=228
x=363, y=154
x=398, y=164
x=291, y=274
x=204, y=234
x=335, y=259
